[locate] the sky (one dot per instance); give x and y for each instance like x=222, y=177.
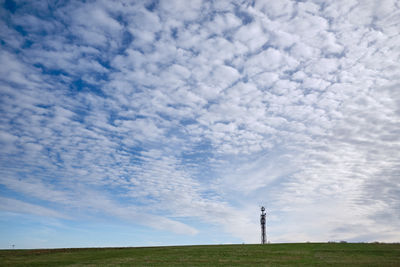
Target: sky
x=148, y=123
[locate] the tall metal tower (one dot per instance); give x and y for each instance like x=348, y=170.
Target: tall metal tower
x=262, y=221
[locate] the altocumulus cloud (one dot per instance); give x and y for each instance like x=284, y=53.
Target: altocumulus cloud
x=185, y=116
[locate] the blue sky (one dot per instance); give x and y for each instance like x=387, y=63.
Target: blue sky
x=140, y=123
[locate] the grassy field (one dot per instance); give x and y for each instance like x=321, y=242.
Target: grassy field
x=308, y=254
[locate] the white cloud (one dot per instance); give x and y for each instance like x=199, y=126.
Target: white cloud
x=268, y=60
x=252, y=35
x=276, y=10
x=13, y=205
x=181, y=9
x=223, y=76
x=149, y=115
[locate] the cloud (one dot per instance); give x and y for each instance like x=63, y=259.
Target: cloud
x=149, y=111
x=181, y=10
x=13, y=205
x=252, y=36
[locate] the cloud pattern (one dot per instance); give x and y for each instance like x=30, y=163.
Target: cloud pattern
x=149, y=111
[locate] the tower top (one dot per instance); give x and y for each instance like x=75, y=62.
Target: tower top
x=262, y=209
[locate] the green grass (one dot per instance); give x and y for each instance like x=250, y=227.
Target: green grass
x=308, y=254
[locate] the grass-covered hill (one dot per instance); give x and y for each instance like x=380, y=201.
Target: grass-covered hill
x=308, y=254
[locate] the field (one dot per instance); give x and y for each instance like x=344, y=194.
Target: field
x=307, y=254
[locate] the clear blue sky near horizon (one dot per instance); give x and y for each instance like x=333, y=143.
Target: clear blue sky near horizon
x=146, y=123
